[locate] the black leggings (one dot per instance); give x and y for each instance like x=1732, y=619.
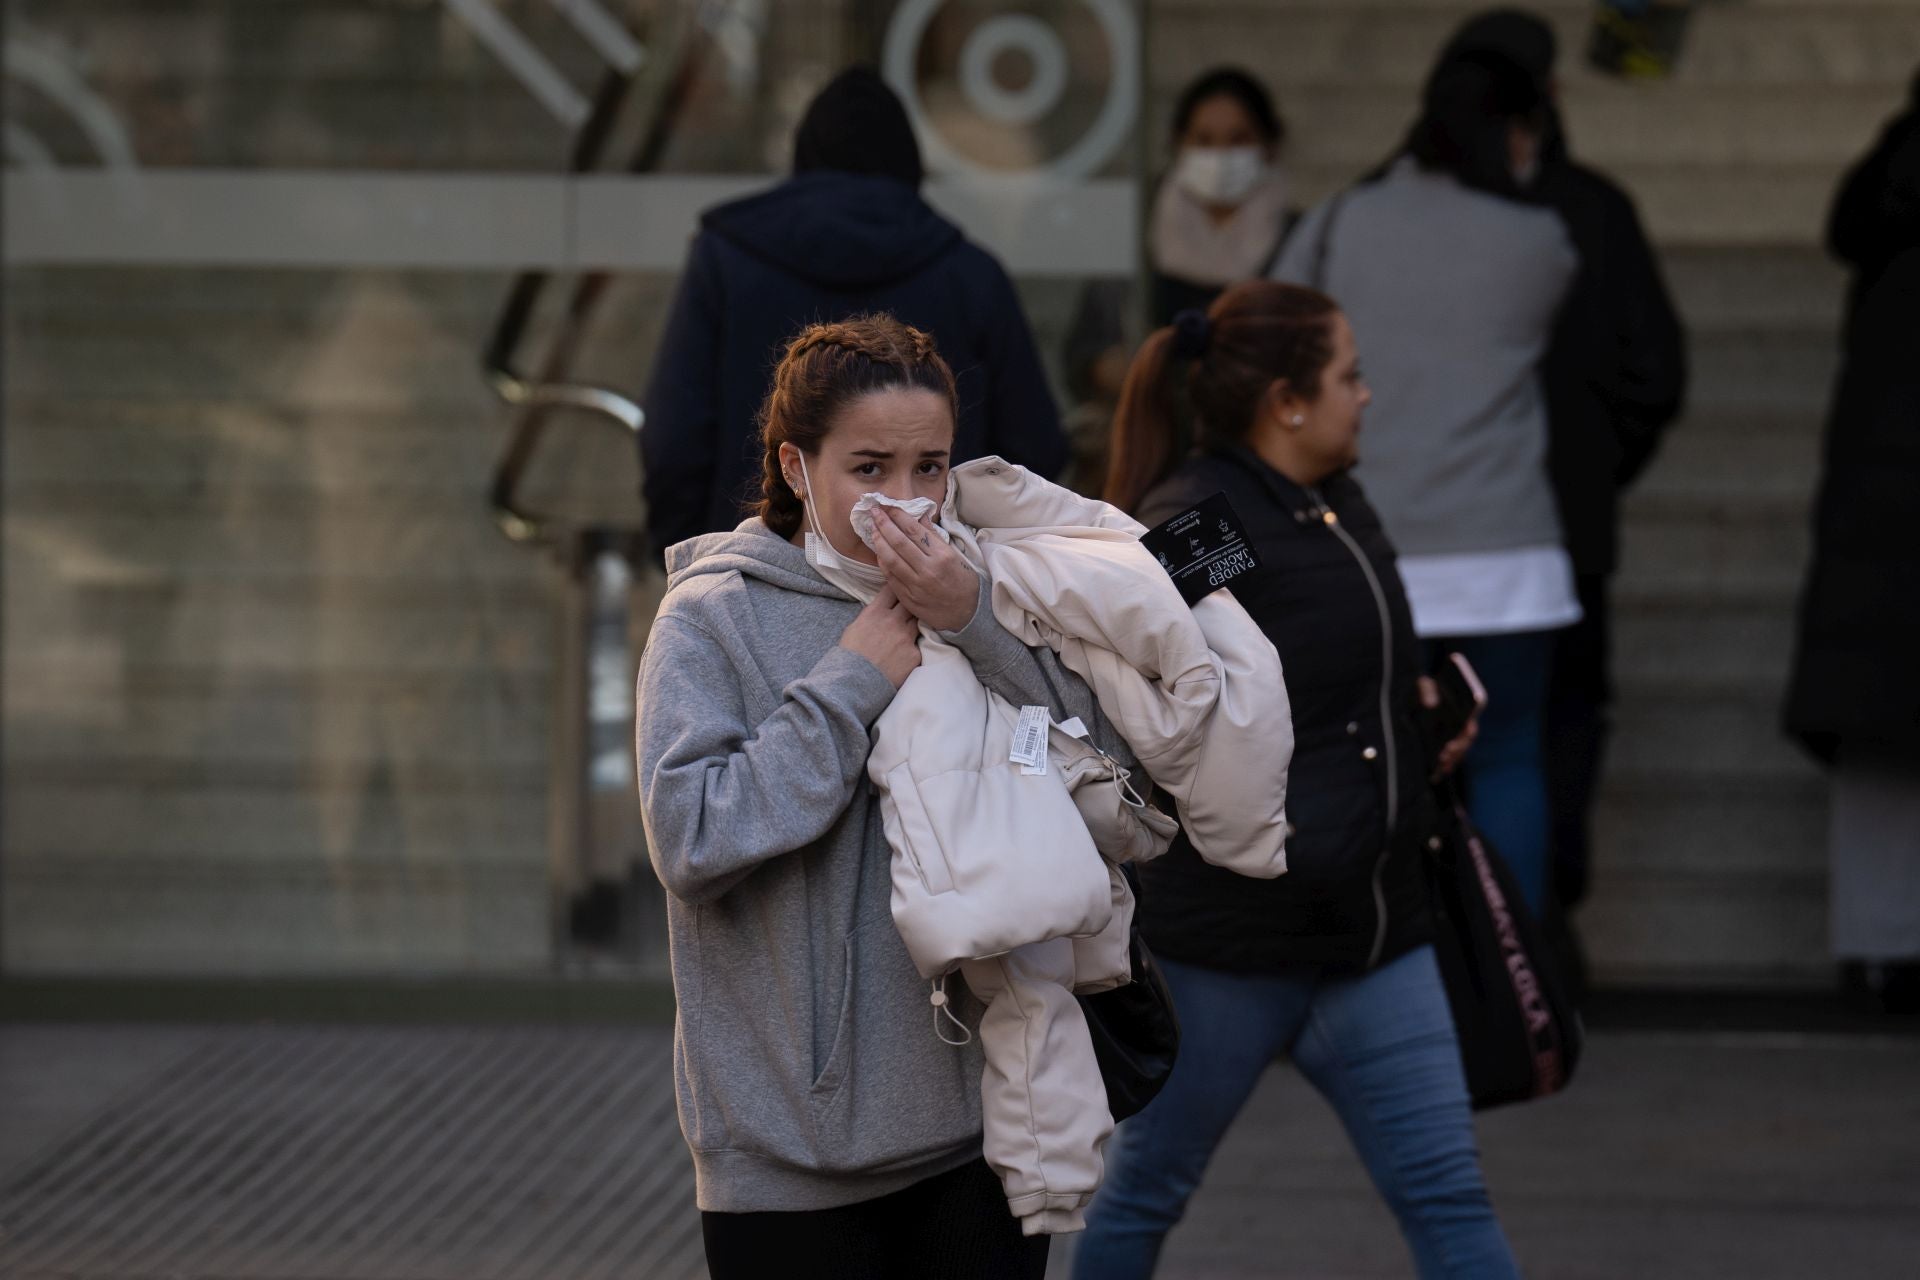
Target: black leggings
x=952, y=1227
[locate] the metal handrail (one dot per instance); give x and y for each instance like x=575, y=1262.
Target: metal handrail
x=535, y=395
x=610, y=406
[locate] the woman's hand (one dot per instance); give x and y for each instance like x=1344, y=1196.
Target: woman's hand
x=886, y=635
x=933, y=580
x=1454, y=752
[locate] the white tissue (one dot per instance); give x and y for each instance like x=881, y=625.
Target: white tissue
x=862, y=515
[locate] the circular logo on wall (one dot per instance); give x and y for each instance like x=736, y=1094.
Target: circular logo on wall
x=1038, y=104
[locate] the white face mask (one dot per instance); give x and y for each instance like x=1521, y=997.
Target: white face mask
x=1219, y=175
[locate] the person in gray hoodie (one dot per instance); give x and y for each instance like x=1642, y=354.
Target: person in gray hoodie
x=834, y=1121
x=1452, y=273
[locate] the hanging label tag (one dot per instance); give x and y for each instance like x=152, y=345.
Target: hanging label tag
x=1038, y=769
x=1202, y=549
x=1030, y=737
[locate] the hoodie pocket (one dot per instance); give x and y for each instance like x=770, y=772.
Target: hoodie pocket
x=891, y=1093
x=834, y=1067
x=917, y=833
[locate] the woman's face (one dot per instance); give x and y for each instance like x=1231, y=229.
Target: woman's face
x=1330, y=431
x=1220, y=122
x=897, y=441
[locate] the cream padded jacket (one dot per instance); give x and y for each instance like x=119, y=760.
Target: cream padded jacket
x=1008, y=875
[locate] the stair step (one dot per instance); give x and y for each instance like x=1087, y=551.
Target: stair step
x=1706, y=930
x=1727, y=647
x=367, y=816
x=244, y=917
x=329, y=732
x=247, y=630
x=1746, y=289
x=306, y=39
x=1706, y=737
x=1731, y=460
x=1395, y=43
x=1766, y=369
x=179, y=451
x=1647, y=821
x=1615, y=124
x=255, y=546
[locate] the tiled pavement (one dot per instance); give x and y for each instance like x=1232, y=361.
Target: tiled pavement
x=330, y=1153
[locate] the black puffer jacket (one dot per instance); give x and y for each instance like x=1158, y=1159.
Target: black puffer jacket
x=1329, y=597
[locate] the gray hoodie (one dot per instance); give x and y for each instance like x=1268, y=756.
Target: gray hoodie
x=806, y=1062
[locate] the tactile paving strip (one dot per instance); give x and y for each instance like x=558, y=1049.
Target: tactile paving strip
x=359, y=1154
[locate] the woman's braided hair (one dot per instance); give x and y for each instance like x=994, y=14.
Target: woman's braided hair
x=825, y=367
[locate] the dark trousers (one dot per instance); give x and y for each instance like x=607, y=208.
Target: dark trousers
x=1579, y=699
x=952, y=1227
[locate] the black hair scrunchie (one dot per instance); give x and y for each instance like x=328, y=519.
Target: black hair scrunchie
x=1191, y=331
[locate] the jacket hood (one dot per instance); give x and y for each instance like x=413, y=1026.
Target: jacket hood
x=751, y=550
x=840, y=231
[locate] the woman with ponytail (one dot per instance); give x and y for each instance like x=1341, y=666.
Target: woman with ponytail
x=1260, y=398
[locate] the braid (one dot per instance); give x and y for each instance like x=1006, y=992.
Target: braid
x=825, y=366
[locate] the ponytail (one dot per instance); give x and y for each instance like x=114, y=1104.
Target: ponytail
x=1146, y=447
x=1198, y=383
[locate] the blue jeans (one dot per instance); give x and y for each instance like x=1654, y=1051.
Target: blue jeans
x=1506, y=772
x=1379, y=1046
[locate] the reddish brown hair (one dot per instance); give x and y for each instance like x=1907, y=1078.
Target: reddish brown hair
x=826, y=366
x=1187, y=391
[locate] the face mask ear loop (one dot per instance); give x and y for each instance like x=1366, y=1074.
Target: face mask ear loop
x=942, y=1009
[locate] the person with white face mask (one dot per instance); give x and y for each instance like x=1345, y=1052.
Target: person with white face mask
x=834, y=1134
x=1223, y=209
x=1218, y=218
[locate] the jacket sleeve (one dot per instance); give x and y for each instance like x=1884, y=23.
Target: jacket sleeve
x=721, y=795
x=1646, y=385
x=1028, y=677
x=680, y=440
x=1022, y=420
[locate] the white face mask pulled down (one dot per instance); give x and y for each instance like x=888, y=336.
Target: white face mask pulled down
x=1220, y=175
x=861, y=581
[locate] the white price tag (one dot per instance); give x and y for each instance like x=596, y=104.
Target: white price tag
x=1030, y=737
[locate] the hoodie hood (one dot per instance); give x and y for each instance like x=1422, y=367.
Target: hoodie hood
x=751, y=550
x=840, y=231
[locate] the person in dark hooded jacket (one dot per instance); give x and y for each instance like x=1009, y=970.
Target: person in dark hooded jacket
x=847, y=234
x=1615, y=378
x=1854, y=699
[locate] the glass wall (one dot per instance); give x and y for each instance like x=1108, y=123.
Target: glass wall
x=293, y=683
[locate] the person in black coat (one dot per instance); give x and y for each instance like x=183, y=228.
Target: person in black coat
x=1260, y=399
x=1854, y=699
x=1615, y=376
x=847, y=234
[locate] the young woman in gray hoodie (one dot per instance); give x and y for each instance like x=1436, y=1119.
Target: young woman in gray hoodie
x=835, y=1132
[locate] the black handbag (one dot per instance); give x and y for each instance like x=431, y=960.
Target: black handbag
x=1136, y=1034
x=1520, y=1037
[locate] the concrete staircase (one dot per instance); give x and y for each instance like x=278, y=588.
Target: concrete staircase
x=279, y=695
x=1711, y=829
